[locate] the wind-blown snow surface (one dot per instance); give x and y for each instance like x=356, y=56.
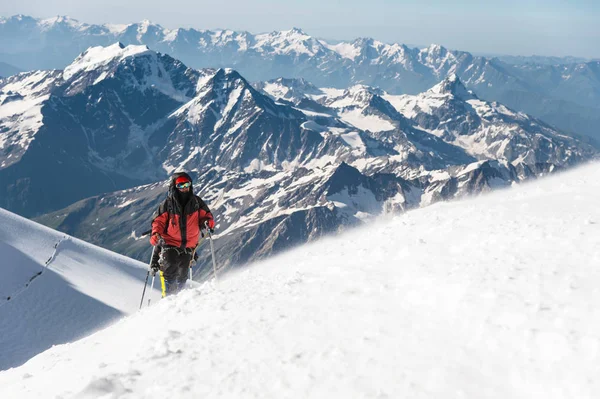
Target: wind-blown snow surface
x=60, y=288
x=494, y=297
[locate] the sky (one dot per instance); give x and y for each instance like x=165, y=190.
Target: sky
x=515, y=27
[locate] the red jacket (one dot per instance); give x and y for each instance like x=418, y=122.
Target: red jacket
x=180, y=227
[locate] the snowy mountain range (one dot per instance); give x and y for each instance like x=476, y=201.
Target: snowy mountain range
x=56, y=289
x=485, y=130
x=281, y=162
x=495, y=297
x=565, y=95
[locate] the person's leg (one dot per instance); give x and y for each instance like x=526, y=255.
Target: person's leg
x=169, y=266
x=183, y=269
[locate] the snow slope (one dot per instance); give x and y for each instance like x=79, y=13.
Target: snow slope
x=492, y=297
x=60, y=288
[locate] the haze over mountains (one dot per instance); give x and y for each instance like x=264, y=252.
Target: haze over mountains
x=565, y=94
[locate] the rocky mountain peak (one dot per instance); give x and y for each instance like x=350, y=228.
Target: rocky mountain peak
x=295, y=32
x=226, y=77
x=436, y=49
x=294, y=90
x=363, y=41
x=147, y=26
x=452, y=85
x=362, y=95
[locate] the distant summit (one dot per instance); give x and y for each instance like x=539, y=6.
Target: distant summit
x=452, y=85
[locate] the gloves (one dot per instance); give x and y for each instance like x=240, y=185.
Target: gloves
x=210, y=223
x=155, y=239
x=155, y=260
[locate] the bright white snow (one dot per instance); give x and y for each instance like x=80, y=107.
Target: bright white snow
x=292, y=41
x=373, y=123
x=346, y=50
x=95, y=56
x=61, y=288
x=494, y=297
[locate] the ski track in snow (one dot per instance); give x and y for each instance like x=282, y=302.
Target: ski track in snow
x=27, y=281
x=492, y=297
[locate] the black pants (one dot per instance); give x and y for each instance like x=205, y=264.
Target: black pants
x=175, y=266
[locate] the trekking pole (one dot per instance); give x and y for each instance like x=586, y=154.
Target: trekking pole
x=152, y=286
x=190, y=269
x=144, y=292
x=147, y=275
x=193, y=258
x=212, y=251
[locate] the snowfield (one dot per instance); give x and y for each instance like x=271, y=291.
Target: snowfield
x=492, y=297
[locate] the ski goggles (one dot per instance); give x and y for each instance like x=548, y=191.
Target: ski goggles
x=187, y=184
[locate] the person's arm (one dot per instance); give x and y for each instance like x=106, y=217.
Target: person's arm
x=159, y=222
x=205, y=215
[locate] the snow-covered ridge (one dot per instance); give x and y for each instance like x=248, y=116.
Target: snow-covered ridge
x=56, y=288
x=21, y=100
x=95, y=57
x=23, y=96
x=62, y=20
x=494, y=296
